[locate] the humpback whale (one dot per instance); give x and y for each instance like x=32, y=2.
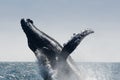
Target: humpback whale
x=54, y=60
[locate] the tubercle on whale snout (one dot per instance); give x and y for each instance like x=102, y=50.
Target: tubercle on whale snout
x=52, y=57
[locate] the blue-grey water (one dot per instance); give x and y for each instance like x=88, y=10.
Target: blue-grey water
x=30, y=71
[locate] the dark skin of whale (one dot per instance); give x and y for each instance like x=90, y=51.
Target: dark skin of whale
x=50, y=54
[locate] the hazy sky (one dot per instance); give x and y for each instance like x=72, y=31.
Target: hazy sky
x=60, y=19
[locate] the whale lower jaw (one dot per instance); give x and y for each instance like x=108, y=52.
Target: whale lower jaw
x=55, y=62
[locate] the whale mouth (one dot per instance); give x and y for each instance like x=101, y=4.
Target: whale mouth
x=26, y=23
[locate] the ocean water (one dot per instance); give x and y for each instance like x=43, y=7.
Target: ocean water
x=30, y=71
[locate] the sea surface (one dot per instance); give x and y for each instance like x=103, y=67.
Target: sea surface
x=30, y=71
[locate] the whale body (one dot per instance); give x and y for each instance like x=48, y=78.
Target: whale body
x=54, y=60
